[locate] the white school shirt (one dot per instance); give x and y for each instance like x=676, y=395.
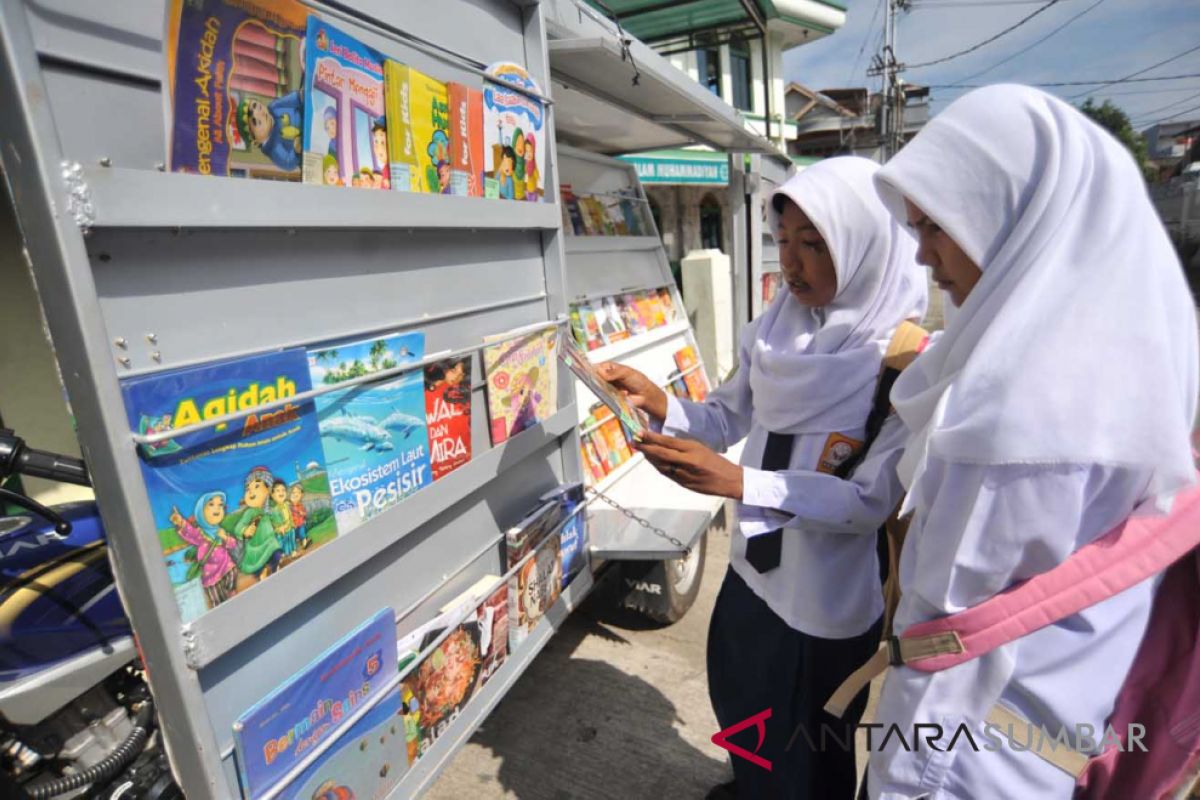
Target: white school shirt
x=827, y=581
x=977, y=530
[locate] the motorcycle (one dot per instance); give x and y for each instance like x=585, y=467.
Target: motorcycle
x=76, y=716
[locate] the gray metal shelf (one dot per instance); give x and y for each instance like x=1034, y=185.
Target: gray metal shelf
x=137, y=198
x=610, y=244
x=229, y=624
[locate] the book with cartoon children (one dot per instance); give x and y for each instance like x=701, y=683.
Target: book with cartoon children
x=577, y=360
x=522, y=382
x=315, y=704
x=448, y=414
x=514, y=134
x=235, y=503
x=374, y=435
x=234, y=98
x=345, y=128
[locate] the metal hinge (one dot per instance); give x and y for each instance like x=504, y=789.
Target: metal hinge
x=79, y=196
x=657, y=531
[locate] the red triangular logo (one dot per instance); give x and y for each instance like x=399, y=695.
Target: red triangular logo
x=721, y=738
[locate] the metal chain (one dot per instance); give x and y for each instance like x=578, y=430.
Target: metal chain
x=657, y=531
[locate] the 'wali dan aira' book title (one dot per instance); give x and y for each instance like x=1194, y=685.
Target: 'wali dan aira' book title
x=345, y=128
x=235, y=72
x=374, y=436
x=522, y=382
x=514, y=134
x=314, y=705
x=448, y=414
x=235, y=503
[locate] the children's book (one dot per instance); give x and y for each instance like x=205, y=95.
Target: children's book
x=667, y=302
x=367, y=762
x=313, y=705
x=466, y=139
x=617, y=320
x=431, y=132
x=402, y=148
x=235, y=503
x=345, y=128
x=514, y=134
x=579, y=364
x=697, y=385
x=573, y=534
x=437, y=689
x=448, y=414
x=522, y=382
x=374, y=435
x=235, y=78
x=591, y=326
x=596, y=467
x=627, y=304
x=615, y=434
x=577, y=329
x=599, y=441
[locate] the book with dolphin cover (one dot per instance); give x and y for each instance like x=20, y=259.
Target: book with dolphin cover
x=374, y=435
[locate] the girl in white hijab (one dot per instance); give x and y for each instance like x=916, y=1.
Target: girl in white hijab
x=1057, y=403
x=798, y=608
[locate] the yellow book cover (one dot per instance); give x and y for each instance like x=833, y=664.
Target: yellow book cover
x=402, y=149
x=430, y=104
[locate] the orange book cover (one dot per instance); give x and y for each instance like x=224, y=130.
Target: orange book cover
x=685, y=359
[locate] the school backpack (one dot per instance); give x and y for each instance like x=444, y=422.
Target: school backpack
x=1161, y=692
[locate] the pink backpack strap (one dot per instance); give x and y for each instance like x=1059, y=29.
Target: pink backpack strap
x=1127, y=555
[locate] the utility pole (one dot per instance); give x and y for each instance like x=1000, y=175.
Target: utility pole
x=885, y=64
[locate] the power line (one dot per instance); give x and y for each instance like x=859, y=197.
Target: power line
x=1169, y=105
x=1070, y=83
x=1168, y=119
x=1030, y=47
x=866, y=38
x=975, y=47
x=929, y=4
x=1141, y=71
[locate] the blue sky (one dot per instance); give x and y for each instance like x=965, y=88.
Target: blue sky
x=1115, y=38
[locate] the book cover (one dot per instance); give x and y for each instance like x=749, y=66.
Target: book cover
x=608, y=459
x=771, y=283
x=574, y=545
x=514, y=135
x=614, y=432
x=591, y=326
x=583, y=369
x=402, y=148
x=345, y=128
x=367, y=762
x=464, y=139
x=235, y=503
x=448, y=414
x=697, y=385
x=577, y=330
x=613, y=312
x=443, y=683
x=235, y=76
x=534, y=588
x=313, y=705
x=627, y=304
x=431, y=132
x=646, y=309
x=667, y=302
x=531, y=530
x=522, y=382
x=374, y=436
x=596, y=467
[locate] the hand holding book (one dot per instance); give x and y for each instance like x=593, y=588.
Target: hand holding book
x=641, y=392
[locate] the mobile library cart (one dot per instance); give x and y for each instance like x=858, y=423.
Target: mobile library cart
x=143, y=273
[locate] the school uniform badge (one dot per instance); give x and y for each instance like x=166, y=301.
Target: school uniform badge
x=837, y=449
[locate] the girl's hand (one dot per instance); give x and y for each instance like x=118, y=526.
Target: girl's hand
x=642, y=392
x=692, y=465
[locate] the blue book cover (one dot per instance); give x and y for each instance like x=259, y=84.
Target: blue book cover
x=574, y=546
x=345, y=127
x=374, y=436
x=366, y=763
x=314, y=704
x=238, y=502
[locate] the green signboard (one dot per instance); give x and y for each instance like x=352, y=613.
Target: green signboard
x=712, y=170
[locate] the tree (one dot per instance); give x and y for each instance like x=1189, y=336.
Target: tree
x=1110, y=117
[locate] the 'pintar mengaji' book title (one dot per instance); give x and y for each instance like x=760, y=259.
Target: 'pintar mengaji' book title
x=312, y=705
x=345, y=129
x=235, y=75
x=374, y=436
x=235, y=503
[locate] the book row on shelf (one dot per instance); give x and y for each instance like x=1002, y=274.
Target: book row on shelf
x=268, y=89
x=606, y=443
x=621, y=213
x=354, y=720
x=305, y=462
x=615, y=318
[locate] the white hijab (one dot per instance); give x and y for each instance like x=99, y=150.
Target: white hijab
x=1078, y=343
x=808, y=368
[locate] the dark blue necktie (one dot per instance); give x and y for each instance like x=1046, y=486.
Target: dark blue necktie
x=762, y=551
